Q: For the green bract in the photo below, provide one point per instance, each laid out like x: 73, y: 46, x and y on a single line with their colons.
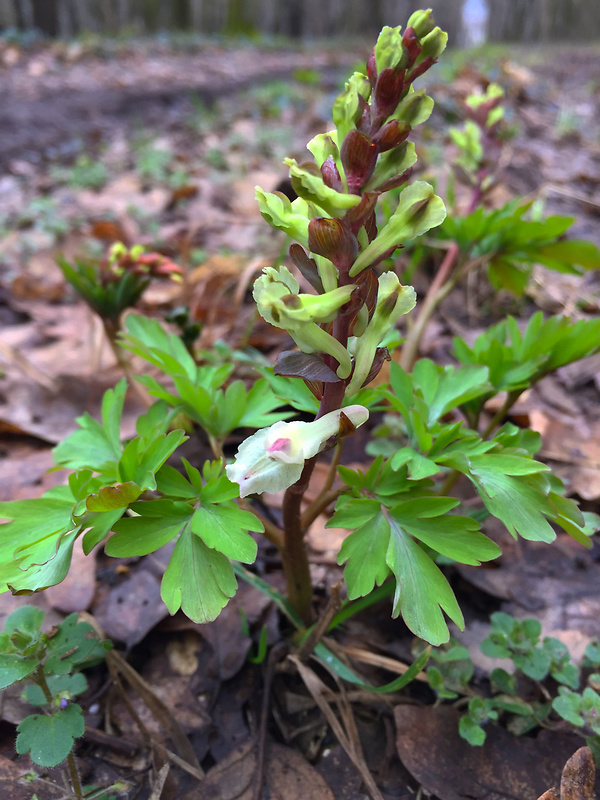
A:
x: 419, y: 209
x: 393, y: 300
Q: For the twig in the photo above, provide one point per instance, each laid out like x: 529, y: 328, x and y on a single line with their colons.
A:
x: 319, y: 504
x: 439, y: 288
x: 331, y: 609
x: 124, y: 364
x: 259, y: 777
x: 346, y: 734
x: 271, y: 532
x: 511, y: 399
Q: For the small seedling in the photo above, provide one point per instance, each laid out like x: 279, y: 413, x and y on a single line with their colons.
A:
x: 50, y: 662
x: 554, y: 684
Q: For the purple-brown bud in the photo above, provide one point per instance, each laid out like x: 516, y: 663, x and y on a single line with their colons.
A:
x: 388, y: 92
x: 359, y: 157
x: 372, y: 68
x: 331, y: 175
x: 360, y: 215
x: 392, y: 134
x: 332, y: 239
x: 411, y: 43
x: 307, y: 266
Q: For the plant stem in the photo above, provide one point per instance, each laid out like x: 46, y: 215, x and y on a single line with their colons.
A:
x: 440, y: 287
x: 293, y: 554
x: 333, y: 606
x: 111, y: 330
x: 511, y: 399
x: 271, y: 531
x: 74, y: 775
x: 39, y: 677
x: 325, y: 496
x: 319, y: 504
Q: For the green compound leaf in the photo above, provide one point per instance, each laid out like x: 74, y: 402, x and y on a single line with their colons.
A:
x: 49, y: 740
x: 422, y: 591
x: 513, y: 489
x: 452, y: 536
x: 110, y: 498
x: 224, y: 527
x: 384, y: 544
x: 198, y: 580
x: 445, y: 388
x: 158, y: 522
x: 365, y: 551
x: 96, y: 445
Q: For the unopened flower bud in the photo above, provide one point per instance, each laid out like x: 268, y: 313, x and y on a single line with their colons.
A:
x: 434, y: 44
x: 308, y: 183
x: 411, y: 43
x: 392, y: 134
x: 331, y: 175
x: 275, y: 293
x: 372, y: 68
x: 389, y: 52
x: 388, y: 92
x: 332, y: 239
x: 359, y: 157
x: 418, y: 210
x: 421, y: 22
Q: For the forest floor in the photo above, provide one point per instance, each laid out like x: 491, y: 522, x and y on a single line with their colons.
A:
x: 146, y: 143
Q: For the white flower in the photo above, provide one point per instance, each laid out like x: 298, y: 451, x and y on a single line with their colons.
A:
x: 273, y: 458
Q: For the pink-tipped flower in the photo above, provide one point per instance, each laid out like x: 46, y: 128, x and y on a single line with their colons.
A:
x: 273, y: 458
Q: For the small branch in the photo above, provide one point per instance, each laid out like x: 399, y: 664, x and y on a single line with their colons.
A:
x: 331, y: 609
x: 440, y: 287
x: 511, y: 399
x: 448, y: 483
x: 74, y: 776
x: 111, y: 332
x: 271, y: 531
x: 319, y: 504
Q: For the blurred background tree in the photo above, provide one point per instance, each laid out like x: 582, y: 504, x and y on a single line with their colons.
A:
x: 502, y: 20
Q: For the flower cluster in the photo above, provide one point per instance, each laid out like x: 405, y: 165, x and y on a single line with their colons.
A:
x: 337, y: 244
x: 338, y: 248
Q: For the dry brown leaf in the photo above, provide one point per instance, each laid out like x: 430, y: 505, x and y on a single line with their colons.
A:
x: 450, y: 768
x: 578, y: 778
x: 288, y: 776
x: 576, y: 450
x: 128, y: 611
x: 14, y: 787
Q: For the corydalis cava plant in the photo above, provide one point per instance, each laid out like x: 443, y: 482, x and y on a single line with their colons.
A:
x: 125, y: 494
x: 340, y: 329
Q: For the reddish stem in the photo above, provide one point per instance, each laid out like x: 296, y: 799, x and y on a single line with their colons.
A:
x: 435, y: 294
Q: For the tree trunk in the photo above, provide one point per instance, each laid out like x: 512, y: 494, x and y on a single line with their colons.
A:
x: 8, y: 14
x: 45, y: 16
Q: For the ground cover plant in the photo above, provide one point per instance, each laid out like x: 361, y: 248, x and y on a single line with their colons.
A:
x: 350, y: 371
